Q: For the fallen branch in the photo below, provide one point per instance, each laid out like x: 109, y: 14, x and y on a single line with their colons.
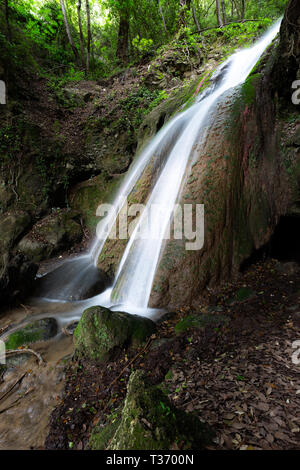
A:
x: 16, y: 401
x: 12, y: 352
x: 131, y: 362
x: 96, y: 421
x: 226, y: 24
x: 13, y: 386
x: 4, y: 329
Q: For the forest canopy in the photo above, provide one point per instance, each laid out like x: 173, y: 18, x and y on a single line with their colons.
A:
x: 100, y: 36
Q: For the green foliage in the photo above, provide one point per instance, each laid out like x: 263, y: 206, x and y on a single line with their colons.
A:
x: 142, y: 44
x: 40, y: 42
x: 138, y: 104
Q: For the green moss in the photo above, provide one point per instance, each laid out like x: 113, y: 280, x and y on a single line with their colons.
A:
x: 101, y: 332
x: 249, y: 88
x: 100, y: 437
x: 200, y: 321
x: 150, y: 422
x: 40, y: 330
x: 243, y: 294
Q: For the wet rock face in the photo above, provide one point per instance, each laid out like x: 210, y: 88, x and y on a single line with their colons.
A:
x: 12, y: 226
x: 287, y: 63
x: 247, y: 175
x: 149, y: 421
x: 16, y: 279
x: 76, y: 279
x: 51, y: 235
x: 101, y: 333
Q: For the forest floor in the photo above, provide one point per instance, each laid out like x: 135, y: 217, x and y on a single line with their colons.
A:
x: 239, y: 372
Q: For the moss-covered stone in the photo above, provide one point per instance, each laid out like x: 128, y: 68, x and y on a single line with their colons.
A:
x: 12, y: 225
x: 244, y: 293
x: 40, y: 330
x: 149, y: 421
x: 51, y: 235
x: 100, y: 333
x: 199, y: 321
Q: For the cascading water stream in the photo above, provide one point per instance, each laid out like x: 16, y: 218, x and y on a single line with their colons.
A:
x: 173, y: 147
x: 133, y: 283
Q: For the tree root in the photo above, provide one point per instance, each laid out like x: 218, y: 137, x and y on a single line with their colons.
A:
x: 12, y: 352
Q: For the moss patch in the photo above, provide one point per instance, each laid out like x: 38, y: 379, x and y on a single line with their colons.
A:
x: 100, y: 333
x: 149, y: 421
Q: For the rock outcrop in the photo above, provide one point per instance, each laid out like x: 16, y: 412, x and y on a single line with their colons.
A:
x: 149, y: 421
x: 101, y: 333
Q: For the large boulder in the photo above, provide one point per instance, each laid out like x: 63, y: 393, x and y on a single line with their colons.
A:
x: 101, y: 333
x: 51, y: 235
x: 12, y: 226
x: 149, y: 421
x: 16, y: 278
x: 40, y: 330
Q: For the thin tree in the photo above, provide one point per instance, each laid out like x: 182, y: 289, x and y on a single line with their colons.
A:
x: 219, y: 18
x: 195, y: 17
x: 8, y: 30
x: 67, y: 26
x: 224, y: 12
x: 123, y: 36
x: 162, y: 16
x: 243, y: 9
x: 185, y: 5
x: 80, y: 32
x: 89, y: 36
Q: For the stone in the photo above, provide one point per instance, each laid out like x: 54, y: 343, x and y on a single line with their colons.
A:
x: 288, y: 268
x: 149, y: 421
x: 40, y: 330
x: 16, y: 279
x: 101, y: 333
x: 12, y: 226
x: 51, y: 235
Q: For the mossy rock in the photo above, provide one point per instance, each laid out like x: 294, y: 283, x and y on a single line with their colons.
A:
x: 100, y: 333
x: 244, y: 293
x: 12, y: 225
x: 51, y: 235
x: 199, y: 322
x: 40, y: 330
x: 149, y: 421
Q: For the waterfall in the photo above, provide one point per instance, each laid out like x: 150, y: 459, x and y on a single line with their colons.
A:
x: 133, y: 283
x: 174, y: 145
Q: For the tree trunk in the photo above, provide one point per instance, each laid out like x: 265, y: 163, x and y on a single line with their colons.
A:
x: 67, y: 26
x: 81, y: 32
x: 122, y: 48
x: 89, y: 36
x: 185, y: 5
x: 8, y: 30
x: 219, y: 18
x: 224, y: 12
x: 195, y: 17
x: 162, y: 16
x: 243, y: 9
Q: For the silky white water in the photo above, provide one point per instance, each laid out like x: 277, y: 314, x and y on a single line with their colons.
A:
x: 173, y: 147
x: 133, y: 283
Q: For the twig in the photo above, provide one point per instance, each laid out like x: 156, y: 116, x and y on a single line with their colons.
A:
x: 226, y: 24
x: 11, y: 352
x: 16, y: 401
x: 131, y: 362
x: 13, y: 386
x: 26, y: 308
x: 5, y: 328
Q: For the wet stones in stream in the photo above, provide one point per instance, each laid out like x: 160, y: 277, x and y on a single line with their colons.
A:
x: 40, y: 330
x: 76, y: 279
